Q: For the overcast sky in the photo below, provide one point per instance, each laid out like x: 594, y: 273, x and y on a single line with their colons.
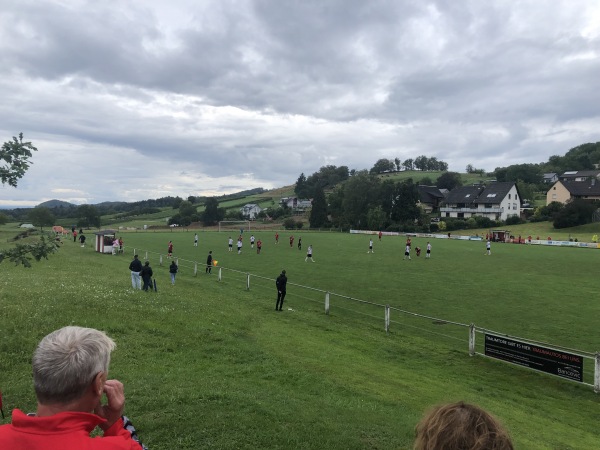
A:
x: 129, y: 100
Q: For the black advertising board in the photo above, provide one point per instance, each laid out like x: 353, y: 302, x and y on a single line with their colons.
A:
x: 555, y: 362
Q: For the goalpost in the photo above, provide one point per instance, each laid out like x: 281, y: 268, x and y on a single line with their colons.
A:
x: 237, y: 225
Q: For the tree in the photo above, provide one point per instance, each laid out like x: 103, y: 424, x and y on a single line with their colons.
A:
x: 41, y: 217
x: 408, y: 164
x: 186, y: 209
x: 302, y: 189
x: 318, y: 213
x: 383, y: 165
x: 398, y: 164
x: 576, y: 212
x: 212, y: 213
x: 24, y: 253
x: 14, y: 157
x: 191, y: 199
x: 88, y: 216
x: 448, y: 180
x: 3, y: 218
x: 421, y: 162
x: 470, y: 168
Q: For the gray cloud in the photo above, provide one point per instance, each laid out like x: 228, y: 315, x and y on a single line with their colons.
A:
x: 208, y: 97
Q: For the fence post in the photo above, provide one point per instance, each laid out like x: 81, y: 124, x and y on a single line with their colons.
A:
x: 597, y: 374
x: 472, y: 340
x: 387, y: 318
x: 177, y: 261
x: 219, y: 278
x: 146, y: 257
x: 327, y: 303
x: 160, y: 261
x: 195, y: 268
x: 248, y: 281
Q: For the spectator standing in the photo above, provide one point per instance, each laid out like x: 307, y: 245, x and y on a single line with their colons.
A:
x: 82, y: 239
x: 281, y: 284
x: 70, y: 377
x: 209, y: 263
x: 173, y: 269
x: 146, y: 274
x: 115, y: 246
x: 136, y: 268
x: 74, y: 235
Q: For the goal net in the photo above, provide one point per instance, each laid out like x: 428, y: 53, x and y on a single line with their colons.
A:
x: 234, y: 225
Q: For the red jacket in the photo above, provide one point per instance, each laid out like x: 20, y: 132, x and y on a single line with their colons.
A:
x: 63, y: 431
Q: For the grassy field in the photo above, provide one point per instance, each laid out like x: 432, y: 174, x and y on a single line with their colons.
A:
x: 210, y: 364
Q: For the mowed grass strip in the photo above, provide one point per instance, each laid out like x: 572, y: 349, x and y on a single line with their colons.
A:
x: 210, y: 364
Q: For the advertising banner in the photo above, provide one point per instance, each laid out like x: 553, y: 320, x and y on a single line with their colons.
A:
x: 555, y: 362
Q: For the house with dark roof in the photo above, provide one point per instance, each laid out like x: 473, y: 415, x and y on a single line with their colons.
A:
x: 579, y: 175
x: 565, y: 191
x: 430, y: 198
x: 550, y: 178
x: 497, y: 200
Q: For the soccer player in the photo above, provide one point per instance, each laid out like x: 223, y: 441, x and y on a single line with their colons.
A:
x: 291, y: 241
x: 428, y: 251
x: 407, y: 251
x: 230, y: 244
x: 370, y: 246
x: 488, y: 248
x: 418, y: 250
x: 252, y: 241
x: 276, y: 238
x: 258, y: 246
x: 309, y: 254
x: 196, y: 240
x: 299, y: 243
x: 239, y: 245
x: 380, y: 234
x: 170, y: 250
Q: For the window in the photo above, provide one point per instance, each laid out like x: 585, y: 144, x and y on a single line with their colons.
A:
x: 514, y: 206
x: 447, y: 214
x: 553, y: 196
x: 509, y: 196
x: 491, y: 195
x: 461, y: 215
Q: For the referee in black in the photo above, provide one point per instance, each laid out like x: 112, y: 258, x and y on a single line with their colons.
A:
x: 281, y: 283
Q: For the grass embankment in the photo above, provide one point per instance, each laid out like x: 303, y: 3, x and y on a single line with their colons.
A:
x: 209, y: 364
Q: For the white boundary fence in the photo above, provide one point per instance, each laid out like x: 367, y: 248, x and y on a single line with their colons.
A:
x: 465, y: 334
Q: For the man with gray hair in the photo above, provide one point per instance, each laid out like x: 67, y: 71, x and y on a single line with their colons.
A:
x: 70, y: 370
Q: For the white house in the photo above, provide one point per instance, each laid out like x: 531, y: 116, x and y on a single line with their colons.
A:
x: 250, y: 211
x: 498, y: 201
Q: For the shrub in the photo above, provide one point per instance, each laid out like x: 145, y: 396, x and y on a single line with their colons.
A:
x: 513, y: 220
x: 289, y: 223
x: 299, y: 225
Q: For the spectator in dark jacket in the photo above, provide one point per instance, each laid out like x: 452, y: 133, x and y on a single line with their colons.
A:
x: 281, y: 283
x: 147, y: 276
x: 209, y: 262
x: 136, y: 268
x: 173, y: 271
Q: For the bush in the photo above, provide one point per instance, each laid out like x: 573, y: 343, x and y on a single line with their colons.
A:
x: 289, y: 223
x: 299, y: 225
x: 513, y: 220
x: 433, y: 227
x: 484, y: 222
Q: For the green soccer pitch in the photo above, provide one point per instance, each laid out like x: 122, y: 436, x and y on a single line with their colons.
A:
x: 209, y: 364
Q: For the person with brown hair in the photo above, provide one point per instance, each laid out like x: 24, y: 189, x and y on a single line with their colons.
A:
x: 460, y: 426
